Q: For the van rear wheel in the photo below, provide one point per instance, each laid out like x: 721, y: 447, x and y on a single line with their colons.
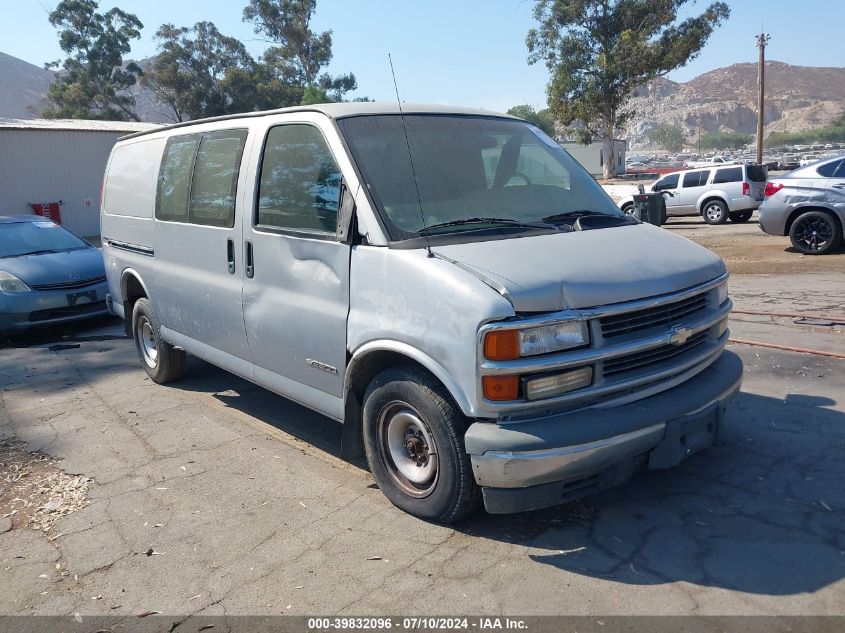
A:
x: 414, y: 441
x: 162, y: 362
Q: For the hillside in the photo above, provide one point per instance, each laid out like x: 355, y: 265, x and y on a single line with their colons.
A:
x: 23, y: 90
x: 725, y: 99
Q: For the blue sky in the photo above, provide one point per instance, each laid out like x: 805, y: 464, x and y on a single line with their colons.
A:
x: 461, y: 52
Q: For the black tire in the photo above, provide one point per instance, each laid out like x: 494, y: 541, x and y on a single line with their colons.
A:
x: 162, y: 362
x: 740, y: 217
x: 402, y: 396
x: 714, y: 212
x: 628, y: 209
x: 815, y: 233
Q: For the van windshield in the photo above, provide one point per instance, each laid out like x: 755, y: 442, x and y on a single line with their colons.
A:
x: 472, y: 174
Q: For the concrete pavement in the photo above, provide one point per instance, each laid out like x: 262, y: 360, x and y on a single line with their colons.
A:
x: 214, y: 496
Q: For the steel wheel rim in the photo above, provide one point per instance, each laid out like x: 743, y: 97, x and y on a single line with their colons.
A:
x: 147, y: 341
x: 408, y: 449
x: 713, y: 212
x: 813, y: 233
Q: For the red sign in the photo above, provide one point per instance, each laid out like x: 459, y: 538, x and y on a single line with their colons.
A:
x: 49, y: 210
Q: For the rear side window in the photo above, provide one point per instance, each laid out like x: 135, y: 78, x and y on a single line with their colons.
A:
x: 174, y: 178
x: 829, y: 169
x: 669, y: 182
x: 215, y: 180
x: 696, y: 178
x: 300, y: 181
x: 729, y: 174
x: 756, y: 173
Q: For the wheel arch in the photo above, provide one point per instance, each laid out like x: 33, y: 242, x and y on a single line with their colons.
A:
x: 365, y: 364
x: 132, y: 288
x: 711, y: 197
x: 795, y: 213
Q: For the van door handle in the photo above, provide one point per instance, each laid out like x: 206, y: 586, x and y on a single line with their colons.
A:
x: 250, y: 267
x: 230, y: 255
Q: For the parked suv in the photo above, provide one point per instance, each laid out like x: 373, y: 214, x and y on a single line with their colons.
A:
x: 808, y: 205
x: 716, y: 194
x: 449, y: 284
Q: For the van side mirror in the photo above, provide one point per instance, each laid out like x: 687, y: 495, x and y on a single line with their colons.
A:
x: 345, y: 213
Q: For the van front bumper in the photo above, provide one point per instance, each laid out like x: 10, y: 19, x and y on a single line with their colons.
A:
x: 547, y: 461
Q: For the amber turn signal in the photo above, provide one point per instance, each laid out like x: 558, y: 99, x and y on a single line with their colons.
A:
x: 501, y: 345
x: 501, y: 387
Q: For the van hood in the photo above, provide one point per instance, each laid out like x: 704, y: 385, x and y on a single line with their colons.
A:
x: 54, y: 268
x: 584, y: 269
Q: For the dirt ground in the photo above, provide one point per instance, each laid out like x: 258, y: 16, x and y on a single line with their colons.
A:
x: 747, y: 250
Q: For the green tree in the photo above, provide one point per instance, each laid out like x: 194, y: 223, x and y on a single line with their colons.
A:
x: 724, y: 140
x: 200, y: 72
x: 599, y: 51
x: 669, y: 137
x: 93, y: 82
x: 299, y: 54
x: 542, y: 119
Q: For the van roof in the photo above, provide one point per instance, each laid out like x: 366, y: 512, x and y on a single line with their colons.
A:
x: 341, y: 110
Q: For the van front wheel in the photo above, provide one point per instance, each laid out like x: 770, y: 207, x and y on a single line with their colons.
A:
x: 162, y: 362
x: 414, y: 441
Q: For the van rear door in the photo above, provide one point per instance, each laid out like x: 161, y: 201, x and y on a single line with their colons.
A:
x: 296, y: 286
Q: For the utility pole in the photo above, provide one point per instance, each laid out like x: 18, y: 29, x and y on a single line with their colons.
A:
x: 762, y: 40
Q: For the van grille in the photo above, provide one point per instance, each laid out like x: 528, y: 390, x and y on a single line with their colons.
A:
x: 653, y: 356
x: 627, y: 322
x: 69, y: 285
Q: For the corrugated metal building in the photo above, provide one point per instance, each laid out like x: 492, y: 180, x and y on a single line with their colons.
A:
x: 46, y: 161
x: 591, y: 156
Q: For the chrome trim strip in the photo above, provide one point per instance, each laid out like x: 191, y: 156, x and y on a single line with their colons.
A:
x: 132, y: 248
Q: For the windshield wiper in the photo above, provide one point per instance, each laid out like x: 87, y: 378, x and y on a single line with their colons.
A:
x: 41, y: 252
x: 574, y: 214
x: 499, y: 221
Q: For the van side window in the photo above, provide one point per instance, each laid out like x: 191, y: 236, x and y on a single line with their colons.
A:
x: 300, y: 181
x: 215, y: 180
x: 174, y: 178
x: 728, y: 174
x: 695, y: 178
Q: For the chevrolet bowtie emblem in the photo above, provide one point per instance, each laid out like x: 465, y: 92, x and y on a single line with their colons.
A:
x: 679, y: 335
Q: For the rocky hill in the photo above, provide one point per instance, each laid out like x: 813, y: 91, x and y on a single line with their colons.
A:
x: 22, y: 88
x: 797, y: 98
x: 23, y: 91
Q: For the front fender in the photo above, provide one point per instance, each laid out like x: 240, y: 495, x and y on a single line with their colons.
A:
x: 412, y: 353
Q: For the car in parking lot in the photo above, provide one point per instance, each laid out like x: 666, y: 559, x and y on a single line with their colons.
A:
x: 48, y: 275
x: 808, y: 205
x: 717, y: 194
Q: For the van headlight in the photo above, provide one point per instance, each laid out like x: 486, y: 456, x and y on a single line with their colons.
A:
x: 10, y: 283
x: 516, y: 343
x: 722, y: 292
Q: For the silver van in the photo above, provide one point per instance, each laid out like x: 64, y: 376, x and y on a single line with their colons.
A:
x: 716, y: 193
x: 449, y: 284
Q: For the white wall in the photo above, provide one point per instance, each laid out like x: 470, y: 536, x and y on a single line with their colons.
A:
x: 52, y: 165
x: 590, y: 156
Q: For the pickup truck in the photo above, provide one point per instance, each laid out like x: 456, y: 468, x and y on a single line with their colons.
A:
x: 708, y: 162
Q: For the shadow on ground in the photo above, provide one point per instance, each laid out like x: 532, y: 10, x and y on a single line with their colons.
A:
x: 760, y: 513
